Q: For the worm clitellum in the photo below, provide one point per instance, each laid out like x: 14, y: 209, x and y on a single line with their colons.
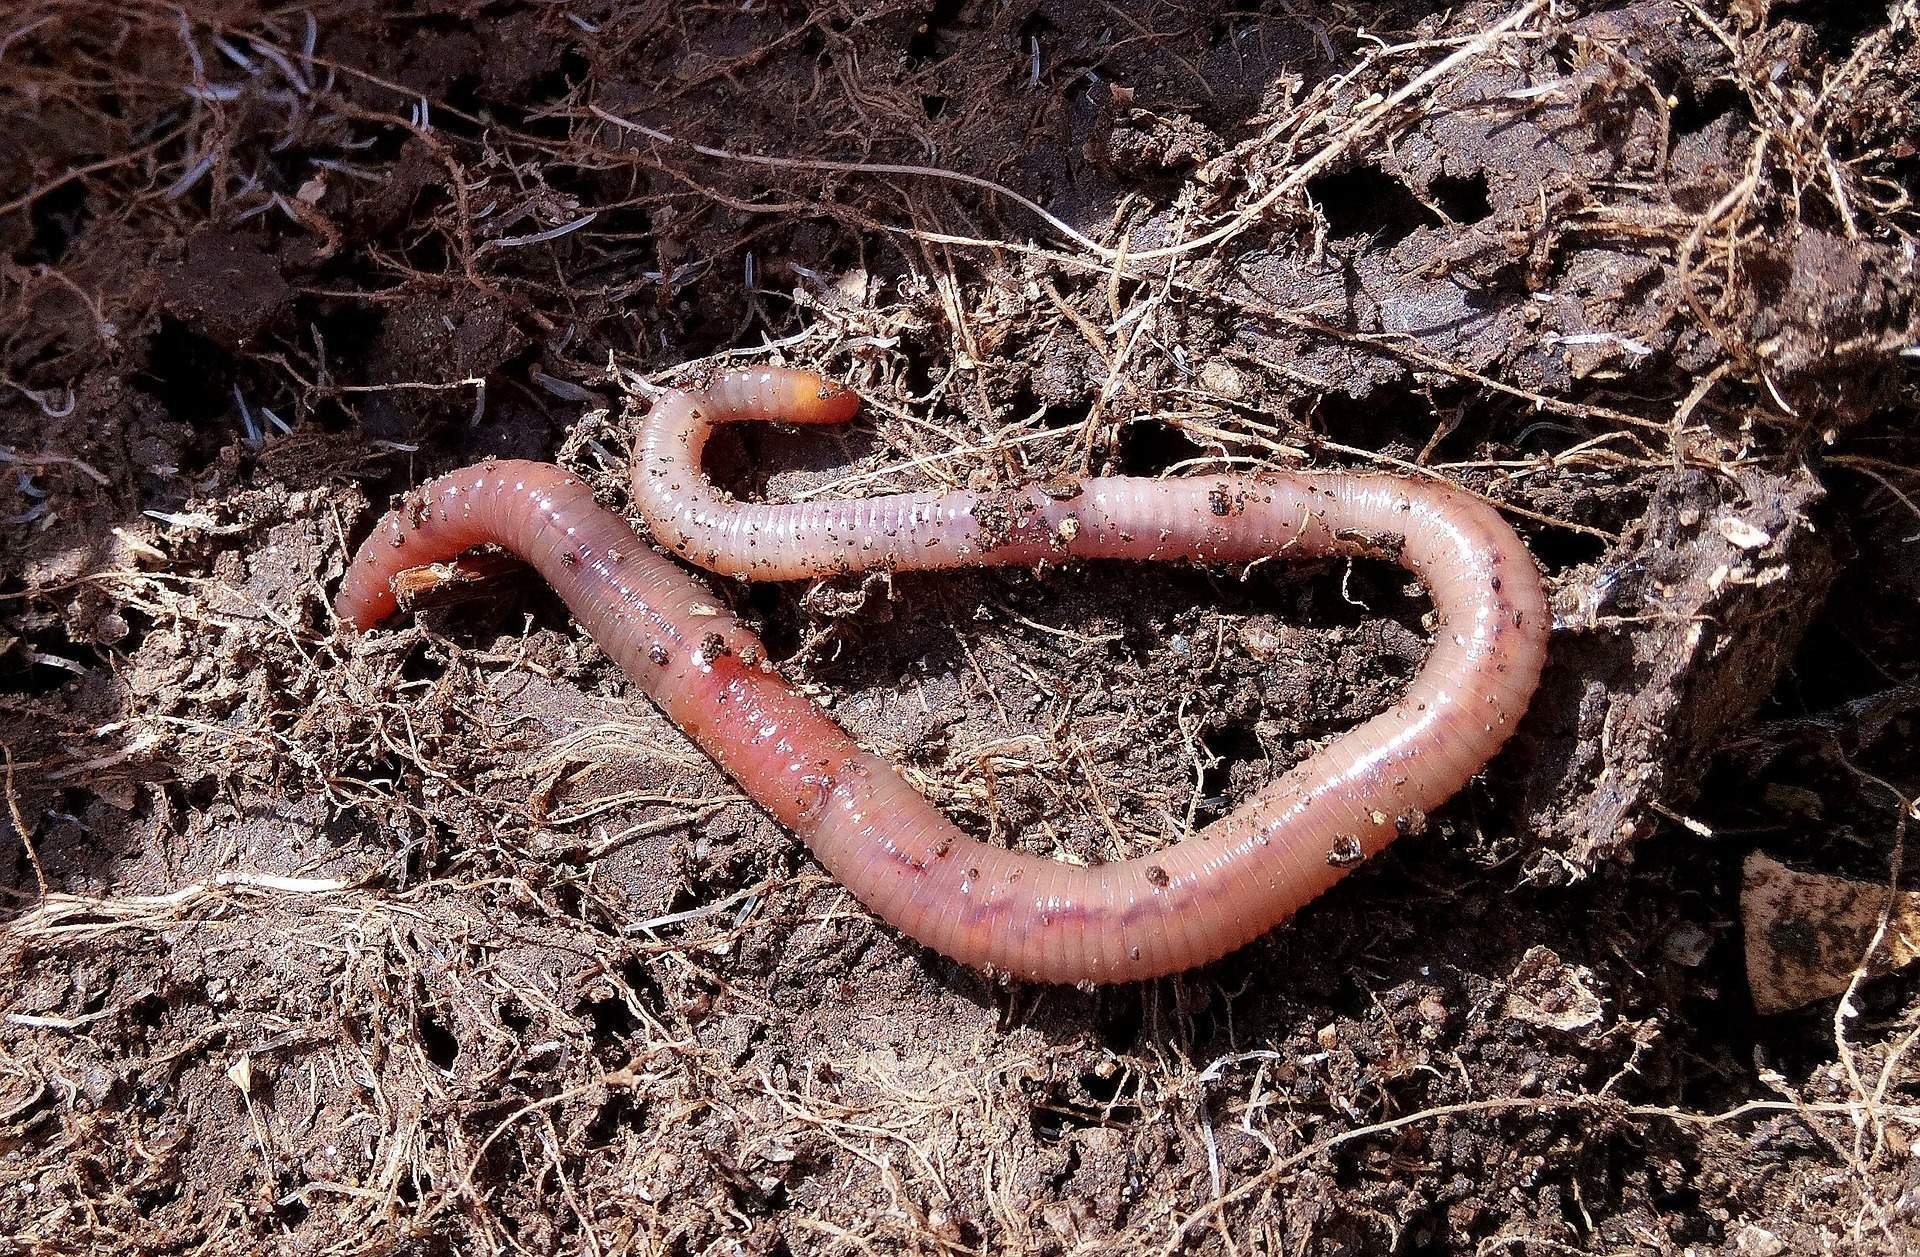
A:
x: 987, y: 906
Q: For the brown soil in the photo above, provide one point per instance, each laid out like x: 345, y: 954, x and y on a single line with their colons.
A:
x: 438, y: 941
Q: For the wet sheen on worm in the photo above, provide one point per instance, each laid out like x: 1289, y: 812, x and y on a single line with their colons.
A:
x: 984, y: 905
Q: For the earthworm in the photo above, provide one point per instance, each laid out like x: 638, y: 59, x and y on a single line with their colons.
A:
x: 986, y: 906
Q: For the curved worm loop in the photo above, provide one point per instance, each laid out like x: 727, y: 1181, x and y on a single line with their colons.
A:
x: 984, y: 905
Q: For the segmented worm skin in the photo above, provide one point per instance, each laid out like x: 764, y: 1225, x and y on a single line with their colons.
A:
x: 990, y: 907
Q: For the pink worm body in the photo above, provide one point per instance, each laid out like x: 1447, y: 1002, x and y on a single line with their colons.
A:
x: 1034, y: 917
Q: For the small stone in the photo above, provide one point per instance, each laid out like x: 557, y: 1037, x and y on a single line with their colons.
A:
x: 1223, y: 379
x: 1807, y: 933
x: 1756, y: 1241
x: 1261, y: 637
x: 1346, y: 852
x: 1741, y: 533
x: 1687, y: 945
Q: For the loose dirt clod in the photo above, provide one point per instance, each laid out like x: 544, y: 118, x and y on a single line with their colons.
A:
x: 1544, y: 990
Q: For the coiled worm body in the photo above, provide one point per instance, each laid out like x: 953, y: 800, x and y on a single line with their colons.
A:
x: 987, y: 906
